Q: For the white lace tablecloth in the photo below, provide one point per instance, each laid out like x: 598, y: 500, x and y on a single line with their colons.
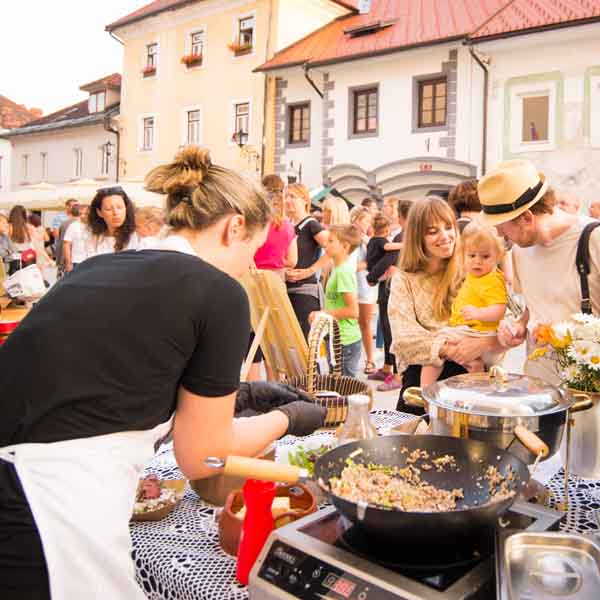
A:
x: 179, y: 558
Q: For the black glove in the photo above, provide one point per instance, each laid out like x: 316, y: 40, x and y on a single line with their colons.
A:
x: 304, y: 417
x: 260, y: 397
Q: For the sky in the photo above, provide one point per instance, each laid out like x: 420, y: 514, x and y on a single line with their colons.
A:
x: 49, y: 48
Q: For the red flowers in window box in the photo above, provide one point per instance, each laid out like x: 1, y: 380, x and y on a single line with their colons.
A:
x: 191, y: 60
x: 149, y: 71
x: 240, y: 49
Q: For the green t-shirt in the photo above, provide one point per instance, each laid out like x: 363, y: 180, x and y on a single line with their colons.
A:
x: 343, y: 281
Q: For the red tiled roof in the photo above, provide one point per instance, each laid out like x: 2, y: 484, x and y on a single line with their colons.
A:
x: 13, y: 115
x: 415, y: 22
x: 159, y: 6
x: 521, y: 15
x: 112, y: 81
x: 75, y: 111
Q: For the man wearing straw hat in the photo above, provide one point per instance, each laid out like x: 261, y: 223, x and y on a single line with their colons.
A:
x: 517, y: 200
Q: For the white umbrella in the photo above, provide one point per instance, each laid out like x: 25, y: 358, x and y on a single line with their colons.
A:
x: 134, y: 188
x: 34, y: 197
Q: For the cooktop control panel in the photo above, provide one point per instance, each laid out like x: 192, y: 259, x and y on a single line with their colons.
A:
x: 310, y: 578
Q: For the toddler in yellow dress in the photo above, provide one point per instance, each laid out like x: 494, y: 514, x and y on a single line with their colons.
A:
x: 481, y: 301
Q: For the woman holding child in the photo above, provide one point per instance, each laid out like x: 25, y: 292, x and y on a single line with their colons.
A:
x: 422, y: 298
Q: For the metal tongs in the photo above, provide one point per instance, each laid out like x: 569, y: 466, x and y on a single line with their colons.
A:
x: 517, y: 306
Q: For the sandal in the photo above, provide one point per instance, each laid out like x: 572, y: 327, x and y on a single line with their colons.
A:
x: 369, y: 368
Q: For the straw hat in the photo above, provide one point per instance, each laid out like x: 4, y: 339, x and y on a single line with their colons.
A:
x: 509, y: 190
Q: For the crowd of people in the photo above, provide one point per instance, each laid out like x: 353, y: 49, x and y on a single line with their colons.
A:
x: 155, y: 338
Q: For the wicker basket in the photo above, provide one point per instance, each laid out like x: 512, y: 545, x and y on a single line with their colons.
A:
x: 313, y: 382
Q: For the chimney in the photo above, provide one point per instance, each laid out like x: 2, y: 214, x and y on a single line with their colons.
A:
x: 364, y: 7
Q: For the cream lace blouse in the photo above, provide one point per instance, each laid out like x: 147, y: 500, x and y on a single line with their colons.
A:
x: 415, y: 340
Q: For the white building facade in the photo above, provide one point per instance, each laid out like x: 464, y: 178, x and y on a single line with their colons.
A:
x: 544, y: 105
x: 434, y: 115
x: 77, y: 142
x: 394, y: 153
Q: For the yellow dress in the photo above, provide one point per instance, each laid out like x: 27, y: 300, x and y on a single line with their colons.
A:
x: 480, y: 292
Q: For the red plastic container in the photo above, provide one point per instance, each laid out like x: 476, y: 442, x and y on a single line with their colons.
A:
x: 6, y: 328
x: 258, y: 524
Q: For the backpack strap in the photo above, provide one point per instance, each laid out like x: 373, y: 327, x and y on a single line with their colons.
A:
x: 582, y: 260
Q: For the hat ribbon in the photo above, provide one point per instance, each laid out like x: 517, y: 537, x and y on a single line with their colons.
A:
x: 527, y: 196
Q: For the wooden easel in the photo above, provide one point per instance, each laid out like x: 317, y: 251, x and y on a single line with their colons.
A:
x: 275, y: 325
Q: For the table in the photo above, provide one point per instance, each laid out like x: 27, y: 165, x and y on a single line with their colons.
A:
x: 179, y: 558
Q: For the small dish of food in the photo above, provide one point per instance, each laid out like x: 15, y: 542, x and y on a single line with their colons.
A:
x: 156, y: 498
x: 305, y: 452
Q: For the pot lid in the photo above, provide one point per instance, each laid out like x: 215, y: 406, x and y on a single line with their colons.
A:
x: 506, y: 395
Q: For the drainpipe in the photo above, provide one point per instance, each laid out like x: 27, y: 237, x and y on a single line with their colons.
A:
x: 312, y: 83
x: 263, y: 144
x: 486, y: 86
x: 112, y: 35
x: 107, y: 126
x: 110, y: 129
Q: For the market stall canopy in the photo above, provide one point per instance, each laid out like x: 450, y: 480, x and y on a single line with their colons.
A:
x: 33, y: 197
x: 46, y: 196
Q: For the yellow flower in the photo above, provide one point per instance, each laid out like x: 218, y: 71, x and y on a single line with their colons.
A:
x: 538, y: 353
x: 560, y: 343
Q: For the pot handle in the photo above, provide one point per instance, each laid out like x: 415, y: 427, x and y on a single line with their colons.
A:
x: 266, y: 470
x: 413, y: 396
x: 584, y: 402
x: 531, y: 441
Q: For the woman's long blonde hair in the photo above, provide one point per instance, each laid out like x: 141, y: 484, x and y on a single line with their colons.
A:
x: 200, y: 193
x: 422, y: 215
x: 340, y: 215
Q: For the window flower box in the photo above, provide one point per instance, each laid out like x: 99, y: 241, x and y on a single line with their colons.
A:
x: 191, y: 60
x: 240, y: 49
x: 149, y: 71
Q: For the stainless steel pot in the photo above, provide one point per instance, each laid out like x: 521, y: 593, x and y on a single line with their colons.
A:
x: 489, y: 406
x: 583, y: 453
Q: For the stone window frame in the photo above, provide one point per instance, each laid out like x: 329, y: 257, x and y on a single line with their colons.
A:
x: 156, y: 59
x: 141, y: 119
x: 351, y: 103
x: 185, y: 112
x: 288, y: 123
x: 416, y: 108
x: 515, y: 89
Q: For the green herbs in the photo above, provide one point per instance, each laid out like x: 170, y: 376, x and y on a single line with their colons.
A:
x: 306, y: 457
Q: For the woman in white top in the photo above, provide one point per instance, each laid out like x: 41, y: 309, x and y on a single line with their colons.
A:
x: 40, y: 236
x: 22, y: 236
x: 111, y: 223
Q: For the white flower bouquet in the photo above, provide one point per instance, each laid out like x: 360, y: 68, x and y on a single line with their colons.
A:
x: 575, y: 345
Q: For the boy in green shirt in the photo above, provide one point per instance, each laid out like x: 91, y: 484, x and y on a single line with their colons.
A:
x: 341, y: 293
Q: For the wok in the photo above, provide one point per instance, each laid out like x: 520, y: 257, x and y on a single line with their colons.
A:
x: 474, y: 513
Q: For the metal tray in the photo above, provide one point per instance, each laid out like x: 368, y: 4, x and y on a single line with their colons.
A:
x: 547, y: 565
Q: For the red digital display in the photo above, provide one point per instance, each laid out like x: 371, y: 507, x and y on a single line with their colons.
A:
x: 343, y: 587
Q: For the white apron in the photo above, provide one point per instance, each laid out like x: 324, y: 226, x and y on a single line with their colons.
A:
x: 81, y: 494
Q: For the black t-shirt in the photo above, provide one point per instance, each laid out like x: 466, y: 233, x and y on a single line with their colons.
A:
x: 308, y: 247
x: 379, y: 260
x: 105, y: 350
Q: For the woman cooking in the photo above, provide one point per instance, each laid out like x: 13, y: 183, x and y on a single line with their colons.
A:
x: 421, y: 297
x: 128, y: 345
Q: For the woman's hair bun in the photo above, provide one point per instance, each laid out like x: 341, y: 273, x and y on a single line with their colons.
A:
x: 189, y: 167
